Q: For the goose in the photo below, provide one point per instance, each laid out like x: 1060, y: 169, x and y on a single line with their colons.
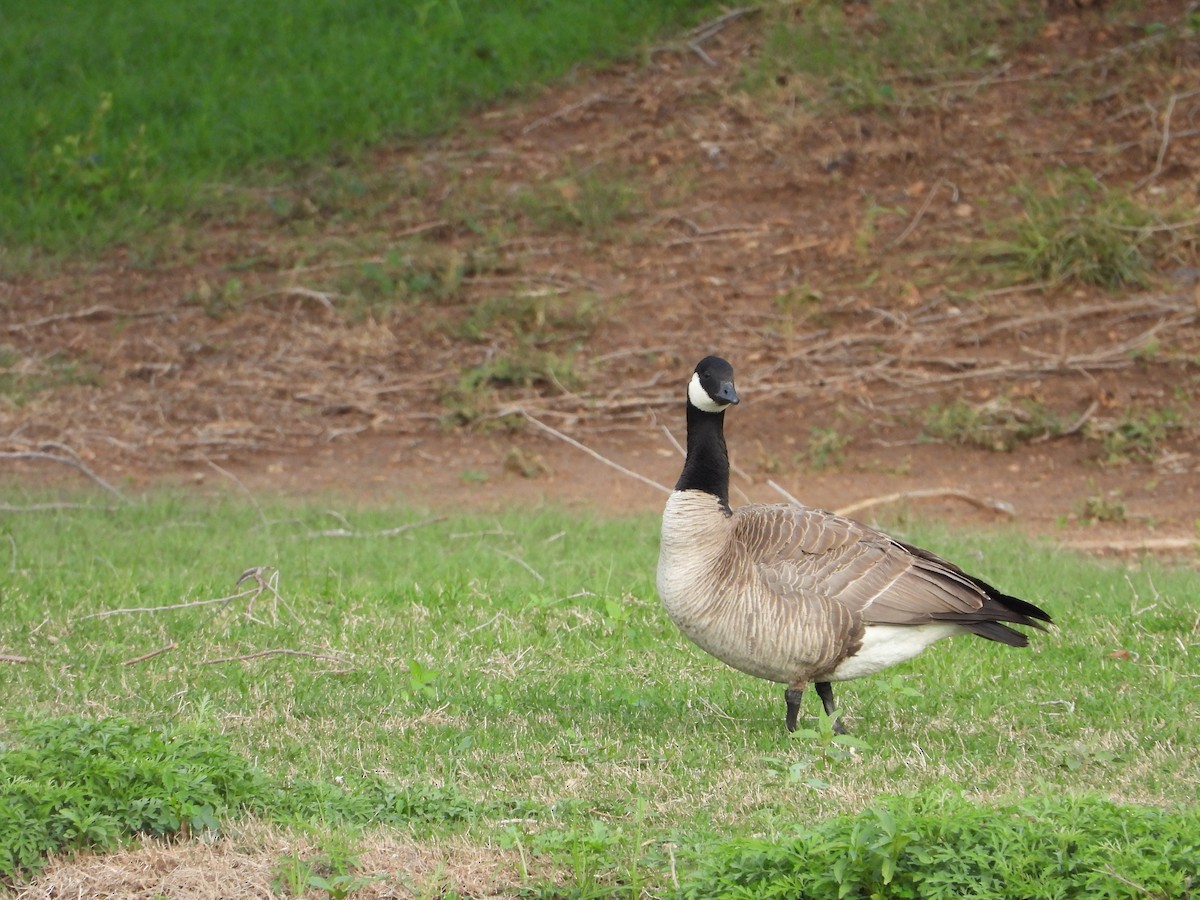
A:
x: 797, y: 595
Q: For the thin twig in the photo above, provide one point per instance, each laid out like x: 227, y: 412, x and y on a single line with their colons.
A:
x: 245, y: 490
x: 278, y: 651
x: 1135, y: 545
x: 1166, y: 138
x: 590, y: 452
x: 386, y: 532
x: 591, y: 100
x: 44, y: 507
x: 321, y: 297
x: 912, y: 226
x: 71, y: 461
x: 520, y: 562
x: 153, y: 653
x: 997, y: 506
x: 250, y: 592
x: 92, y: 312
x: 10, y: 658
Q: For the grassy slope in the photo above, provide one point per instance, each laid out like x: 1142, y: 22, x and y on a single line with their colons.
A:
x: 525, y: 662
x: 200, y: 92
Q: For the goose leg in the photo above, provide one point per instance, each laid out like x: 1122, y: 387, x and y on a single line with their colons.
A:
x: 792, y: 695
x: 825, y: 692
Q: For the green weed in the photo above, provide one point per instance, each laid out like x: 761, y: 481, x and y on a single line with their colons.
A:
x: 999, y: 424
x: 593, y: 203
x: 826, y: 448
x: 1074, y: 230
x: 1137, y: 435
x: 1102, y: 508
x: 23, y: 377
x: 933, y: 847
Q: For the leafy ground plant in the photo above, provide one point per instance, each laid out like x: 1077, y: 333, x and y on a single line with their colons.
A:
x: 999, y: 424
x: 1074, y: 230
x: 952, y: 847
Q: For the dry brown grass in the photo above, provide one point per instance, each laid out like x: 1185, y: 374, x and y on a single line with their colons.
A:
x: 244, y: 866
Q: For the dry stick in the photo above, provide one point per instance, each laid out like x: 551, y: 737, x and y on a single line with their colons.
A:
x: 998, y: 506
x: 66, y: 461
x: 912, y: 226
x: 250, y: 592
x: 591, y: 100
x: 92, y: 312
x: 1135, y: 545
x: 321, y: 297
x: 1166, y: 138
x: 44, y: 507
x: 153, y: 653
x: 245, y: 490
x: 520, y: 562
x: 278, y: 651
x: 10, y: 658
x: 986, y: 503
x: 590, y: 452
x: 386, y: 532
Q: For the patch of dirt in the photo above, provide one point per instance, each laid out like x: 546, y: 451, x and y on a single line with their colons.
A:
x: 570, y: 257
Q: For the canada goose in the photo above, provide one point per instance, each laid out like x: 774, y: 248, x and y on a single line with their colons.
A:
x: 797, y: 595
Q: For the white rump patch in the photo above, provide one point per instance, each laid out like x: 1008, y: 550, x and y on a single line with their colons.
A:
x: 699, y: 396
x: 886, y: 645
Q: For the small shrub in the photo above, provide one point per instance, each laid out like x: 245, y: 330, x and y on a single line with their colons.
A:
x: 72, y: 783
x: 1074, y: 230
x: 999, y: 424
x: 1136, y: 435
x: 826, y: 448
x: 910, y: 848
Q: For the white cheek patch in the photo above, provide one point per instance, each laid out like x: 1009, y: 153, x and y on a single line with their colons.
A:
x: 699, y: 396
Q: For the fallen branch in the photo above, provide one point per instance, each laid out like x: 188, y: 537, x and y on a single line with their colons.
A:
x: 256, y: 573
x: 997, y: 506
x: 173, y: 606
x: 386, y: 532
x: 591, y: 100
x: 1165, y: 143
x: 590, y: 452
x: 1135, y: 545
x: 321, y: 297
x: 912, y: 226
x: 153, y: 653
x: 92, y: 312
x: 72, y: 461
x: 10, y: 658
x: 988, y: 503
x: 278, y: 651
x: 520, y: 562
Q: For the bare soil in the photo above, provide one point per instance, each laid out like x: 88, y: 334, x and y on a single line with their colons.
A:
x: 828, y: 256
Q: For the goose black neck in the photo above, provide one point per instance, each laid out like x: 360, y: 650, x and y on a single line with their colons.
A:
x: 707, y: 465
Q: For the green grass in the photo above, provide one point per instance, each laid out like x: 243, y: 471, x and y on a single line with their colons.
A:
x: 117, y: 113
x: 1074, y: 230
x: 878, y: 54
x: 512, y: 681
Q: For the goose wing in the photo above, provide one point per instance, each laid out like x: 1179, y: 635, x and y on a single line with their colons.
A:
x: 811, y: 555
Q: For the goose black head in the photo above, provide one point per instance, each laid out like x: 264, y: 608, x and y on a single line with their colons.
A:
x: 711, y: 388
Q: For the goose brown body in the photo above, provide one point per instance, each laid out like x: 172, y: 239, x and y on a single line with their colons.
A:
x: 796, y: 595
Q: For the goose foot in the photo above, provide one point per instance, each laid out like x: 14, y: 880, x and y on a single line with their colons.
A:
x: 825, y: 692
x: 792, y: 696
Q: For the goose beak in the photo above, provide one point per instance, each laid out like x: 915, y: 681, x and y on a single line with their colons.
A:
x: 727, y: 393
